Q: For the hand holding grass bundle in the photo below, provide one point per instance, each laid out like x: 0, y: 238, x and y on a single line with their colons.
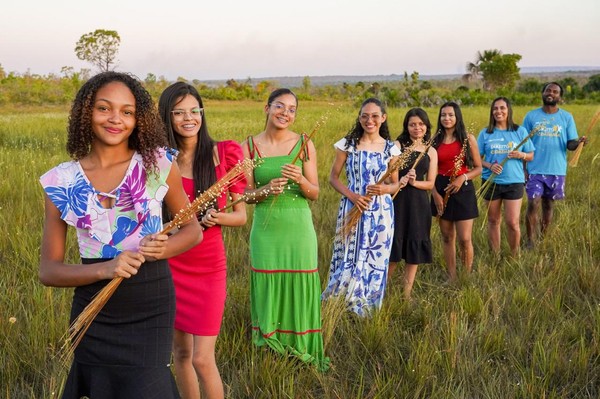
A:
x: 353, y: 216
x: 458, y: 164
x: 82, y: 322
x: 301, y: 151
x: 419, y: 157
x: 484, y: 187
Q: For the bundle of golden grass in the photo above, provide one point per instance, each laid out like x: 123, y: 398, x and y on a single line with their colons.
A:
x: 577, y: 153
x: 242, y: 198
x: 411, y: 149
x: 82, y: 322
x: 485, y: 186
x: 459, y: 161
x: 397, y: 163
x: 302, y: 150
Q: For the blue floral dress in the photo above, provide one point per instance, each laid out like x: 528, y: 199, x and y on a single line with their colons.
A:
x: 360, y: 260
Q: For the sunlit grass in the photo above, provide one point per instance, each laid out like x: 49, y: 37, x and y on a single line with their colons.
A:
x: 514, y: 328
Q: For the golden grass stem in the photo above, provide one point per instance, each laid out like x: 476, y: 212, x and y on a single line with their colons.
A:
x: 82, y: 322
x: 576, y: 154
x: 351, y: 219
x: 412, y: 148
x: 309, y: 137
x: 575, y: 158
x: 489, y: 181
x: 458, y: 164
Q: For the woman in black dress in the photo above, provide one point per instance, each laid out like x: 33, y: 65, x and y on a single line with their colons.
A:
x: 411, y: 205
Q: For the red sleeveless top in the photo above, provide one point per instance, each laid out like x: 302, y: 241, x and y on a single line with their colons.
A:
x: 447, y: 154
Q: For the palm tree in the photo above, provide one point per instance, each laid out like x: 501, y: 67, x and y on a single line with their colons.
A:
x: 473, y: 68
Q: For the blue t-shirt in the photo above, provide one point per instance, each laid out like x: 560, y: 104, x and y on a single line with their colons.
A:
x: 495, y: 146
x: 550, y: 141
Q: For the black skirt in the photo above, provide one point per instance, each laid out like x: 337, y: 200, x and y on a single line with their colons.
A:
x: 461, y: 205
x: 126, y: 352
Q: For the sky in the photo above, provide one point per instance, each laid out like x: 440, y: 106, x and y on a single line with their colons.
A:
x: 219, y: 39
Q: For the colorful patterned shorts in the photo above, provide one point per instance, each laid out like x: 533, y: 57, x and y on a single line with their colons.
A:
x: 545, y: 186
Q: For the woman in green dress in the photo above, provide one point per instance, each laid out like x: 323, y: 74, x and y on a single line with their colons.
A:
x: 284, y: 280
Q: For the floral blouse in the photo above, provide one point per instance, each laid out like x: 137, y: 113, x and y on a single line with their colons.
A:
x: 137, y: 211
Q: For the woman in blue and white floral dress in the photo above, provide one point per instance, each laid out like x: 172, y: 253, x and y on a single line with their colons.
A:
x: 360, y: 259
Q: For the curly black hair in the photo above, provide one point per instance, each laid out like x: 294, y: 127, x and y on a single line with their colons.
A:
x: 148, y: 134
x: 355, y: 134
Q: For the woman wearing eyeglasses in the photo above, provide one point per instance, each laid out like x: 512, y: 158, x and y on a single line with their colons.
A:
x: 284, y: 278
x: 200, y: 273
x: 359, y: 264
x: 412, y: 212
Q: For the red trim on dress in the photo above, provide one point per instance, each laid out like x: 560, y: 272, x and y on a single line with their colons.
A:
x: 269, y: 335
x: 283, y: 271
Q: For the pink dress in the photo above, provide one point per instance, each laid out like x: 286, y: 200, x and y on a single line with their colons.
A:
x: 200, y: 274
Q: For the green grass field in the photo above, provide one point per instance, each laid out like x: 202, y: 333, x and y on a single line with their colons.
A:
x: 515, y: 328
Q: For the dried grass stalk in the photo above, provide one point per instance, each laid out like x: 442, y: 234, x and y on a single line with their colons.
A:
x: 576, y: 154
x: 351, y: 219
x: 484, y: 187
x: 82, y: 322
x: 459, y: 161
x: 575, y: 158
x: 421, y: 155
x: 309, y: 137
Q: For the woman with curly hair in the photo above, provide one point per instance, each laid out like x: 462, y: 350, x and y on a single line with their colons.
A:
x: 359, y: 264
x: 112, y: 193
x: 200, y: 274
x: 453, y: 199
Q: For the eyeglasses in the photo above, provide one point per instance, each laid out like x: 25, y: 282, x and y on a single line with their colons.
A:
x: 365, y: 117
x: 280, y: 109
x: 179, y: 114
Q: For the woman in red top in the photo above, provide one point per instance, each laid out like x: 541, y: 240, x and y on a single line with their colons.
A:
x: 200, y: 273
x: 454, y: 201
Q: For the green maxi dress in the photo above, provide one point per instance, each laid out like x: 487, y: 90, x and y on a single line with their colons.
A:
x: 284, y: 280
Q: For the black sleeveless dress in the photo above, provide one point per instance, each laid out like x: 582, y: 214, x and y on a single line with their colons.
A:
x: 412, y: 216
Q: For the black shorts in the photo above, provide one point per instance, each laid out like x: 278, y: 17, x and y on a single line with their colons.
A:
x: 513, y: 191
x: 460, y: 206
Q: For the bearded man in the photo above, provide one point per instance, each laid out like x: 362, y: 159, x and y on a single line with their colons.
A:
x: 555, y: 133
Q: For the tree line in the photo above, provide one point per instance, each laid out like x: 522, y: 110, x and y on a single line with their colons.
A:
x: 18, y: 89
x: 491, y: 74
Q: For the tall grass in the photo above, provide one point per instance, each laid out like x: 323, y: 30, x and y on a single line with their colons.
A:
x: 515, y: 328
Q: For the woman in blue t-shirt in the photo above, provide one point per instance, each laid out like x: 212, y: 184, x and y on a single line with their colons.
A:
x: 496, y: 143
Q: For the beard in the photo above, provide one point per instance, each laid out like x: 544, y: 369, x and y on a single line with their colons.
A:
x: 547, y: 101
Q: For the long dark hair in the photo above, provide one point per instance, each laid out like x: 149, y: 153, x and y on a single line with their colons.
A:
x: 203, y: 166
x: 404, y: 137
x: 355, y: 134
x: 510, y: 124
x: 460, y: 131
x: 148, y: 134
